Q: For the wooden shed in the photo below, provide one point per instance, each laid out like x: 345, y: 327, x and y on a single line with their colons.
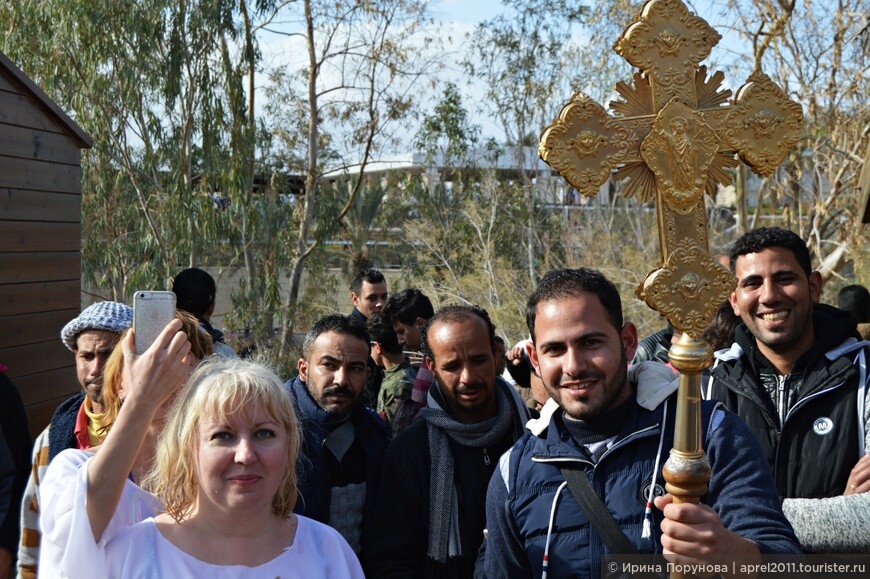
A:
x: 40, y: 241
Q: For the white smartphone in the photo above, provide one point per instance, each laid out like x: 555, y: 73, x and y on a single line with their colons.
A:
x: 152, y: 311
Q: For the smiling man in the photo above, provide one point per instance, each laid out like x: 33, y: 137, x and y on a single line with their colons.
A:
x: 343, y: 442
x: 430, y: 515
x: 613, y: 427
x: 797, y: 375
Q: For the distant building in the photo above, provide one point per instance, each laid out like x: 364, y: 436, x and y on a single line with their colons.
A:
x: 552, y: 189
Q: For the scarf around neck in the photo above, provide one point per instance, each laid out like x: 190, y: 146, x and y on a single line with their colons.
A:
x: 444, y: 539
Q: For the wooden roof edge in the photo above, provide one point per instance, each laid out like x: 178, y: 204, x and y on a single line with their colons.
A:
x: 85, y: 141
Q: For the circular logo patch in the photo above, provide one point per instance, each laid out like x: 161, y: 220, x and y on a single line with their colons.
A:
x: 823, y: 426
x: 658, y: 491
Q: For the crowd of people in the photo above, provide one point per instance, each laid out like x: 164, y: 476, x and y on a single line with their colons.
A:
x: 415, y: 443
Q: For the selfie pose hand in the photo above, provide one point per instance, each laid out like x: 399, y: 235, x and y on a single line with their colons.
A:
x: 149, y: 380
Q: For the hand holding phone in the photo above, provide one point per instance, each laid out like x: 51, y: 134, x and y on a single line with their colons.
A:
x: 152, y: 311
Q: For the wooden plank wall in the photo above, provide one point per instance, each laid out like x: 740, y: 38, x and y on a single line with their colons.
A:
x: 40, y: 243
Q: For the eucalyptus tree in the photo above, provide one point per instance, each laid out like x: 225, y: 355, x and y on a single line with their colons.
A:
x: 188, y: 168
x: 352, y: 95
x: 814, y: 50
x: 520, y: 57
x: 158, y: 84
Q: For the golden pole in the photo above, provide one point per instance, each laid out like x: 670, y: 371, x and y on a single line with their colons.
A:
x: 687, y: 471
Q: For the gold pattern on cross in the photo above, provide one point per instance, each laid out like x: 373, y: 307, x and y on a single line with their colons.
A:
x: 673, y: 137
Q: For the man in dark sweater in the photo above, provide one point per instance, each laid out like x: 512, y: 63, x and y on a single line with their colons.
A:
x: 429, y: 517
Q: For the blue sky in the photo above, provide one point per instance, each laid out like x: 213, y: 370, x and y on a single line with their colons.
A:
x: 467, y: 11
x: 458, y: 18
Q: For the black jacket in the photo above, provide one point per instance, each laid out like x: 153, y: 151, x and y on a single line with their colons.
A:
x: 16, y: 464
x: 807, y: 422
x: 376, y: 373
x: 654, y: 347
x: 401, y: 525
x: 311, y: 472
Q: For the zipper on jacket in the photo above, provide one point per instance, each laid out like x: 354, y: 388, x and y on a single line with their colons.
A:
x: 636, y: 434
x: 780, y: 391
x: 803, y: 401
x: 486, y: 460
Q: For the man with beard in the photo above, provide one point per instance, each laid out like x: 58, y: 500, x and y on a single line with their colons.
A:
x: 429, y: 517
x: 614, y: 426
x: 91, y: 337
x: 343, y: 441
x: 797, y: 375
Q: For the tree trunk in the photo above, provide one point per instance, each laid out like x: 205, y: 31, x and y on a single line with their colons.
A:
x: 302, y: 248
x: 740, y: 193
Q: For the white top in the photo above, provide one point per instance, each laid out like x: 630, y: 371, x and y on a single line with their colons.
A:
x: 318, y: 552
x: 68, y: 548
x: 131, y: 545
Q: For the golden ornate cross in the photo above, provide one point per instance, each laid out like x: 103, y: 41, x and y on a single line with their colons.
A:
x: 673, y: 138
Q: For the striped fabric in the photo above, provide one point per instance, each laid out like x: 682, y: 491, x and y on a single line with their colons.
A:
x: 28, y: 550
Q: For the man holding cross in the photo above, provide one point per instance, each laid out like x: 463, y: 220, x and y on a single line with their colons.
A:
x: 613, y: 427
x: 673, y: 140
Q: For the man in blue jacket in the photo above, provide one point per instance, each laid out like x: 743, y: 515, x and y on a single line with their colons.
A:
x: 343, y: 441
x: 616, y: 425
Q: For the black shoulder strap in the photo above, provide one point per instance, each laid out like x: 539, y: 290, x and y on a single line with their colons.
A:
x: 600, y: 518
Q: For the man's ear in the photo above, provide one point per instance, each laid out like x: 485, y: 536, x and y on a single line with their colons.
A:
x: 430, y: 363
x: 302, y: 366
x: 419, y: 323
x: 532, y: 353
x: 735, y: 307
x: 354, y: 299
x: 816, y: 284
x: 629, y: 339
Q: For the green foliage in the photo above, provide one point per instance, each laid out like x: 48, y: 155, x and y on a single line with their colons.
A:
x: 182, y: 173
x: 520, y: 55
x: 195, y: 164
x: 468, y: 242
x: 446, y: 134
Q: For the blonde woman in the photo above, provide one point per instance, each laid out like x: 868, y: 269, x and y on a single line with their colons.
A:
x: 224, y: 472
x: 87, y: 497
